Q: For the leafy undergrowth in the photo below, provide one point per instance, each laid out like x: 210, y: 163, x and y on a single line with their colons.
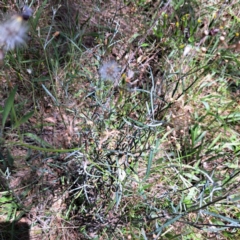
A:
x: 120, y: 120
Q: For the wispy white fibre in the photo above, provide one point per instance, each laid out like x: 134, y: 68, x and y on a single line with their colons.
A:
x: 109, y: 71
x: 13, y: 33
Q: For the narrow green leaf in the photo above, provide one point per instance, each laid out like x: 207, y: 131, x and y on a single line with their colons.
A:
x: 151, y: 156
x: 215, y: 141
x: 200, y: 137
x: 10, y: 159
x: 234, y: 222
x: 169, y: 222
x: 8, y: 105
x: 191, y: 176
x: 23, y: 119
x: 38, y: 14
x: 206, y: 105
x: 38, y: 140
x: 234, y: 198
x: 149, y: 163
x: 50, y: 94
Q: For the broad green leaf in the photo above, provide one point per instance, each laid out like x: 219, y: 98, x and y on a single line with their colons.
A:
x: 5, y: 199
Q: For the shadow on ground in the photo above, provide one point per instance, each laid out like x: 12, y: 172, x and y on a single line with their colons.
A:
x: 14, y: 231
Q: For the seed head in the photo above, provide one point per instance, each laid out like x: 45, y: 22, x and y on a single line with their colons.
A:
x: 109, y: 71
x: 13, y: 33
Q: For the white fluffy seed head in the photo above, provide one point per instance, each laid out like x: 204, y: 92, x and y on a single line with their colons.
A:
x: 109, y: 71
x: 13, y: 33
x: 222, y: 38
x: 187, y: 50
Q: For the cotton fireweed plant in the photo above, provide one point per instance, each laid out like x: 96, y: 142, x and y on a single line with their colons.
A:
x: 13, y: 32
x: 109, y: 71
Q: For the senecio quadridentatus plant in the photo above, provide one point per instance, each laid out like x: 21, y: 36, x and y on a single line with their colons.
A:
x: 14, y: 31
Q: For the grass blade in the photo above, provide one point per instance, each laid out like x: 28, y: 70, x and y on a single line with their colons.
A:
x: 8, y: 105
x: 23, y: 119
